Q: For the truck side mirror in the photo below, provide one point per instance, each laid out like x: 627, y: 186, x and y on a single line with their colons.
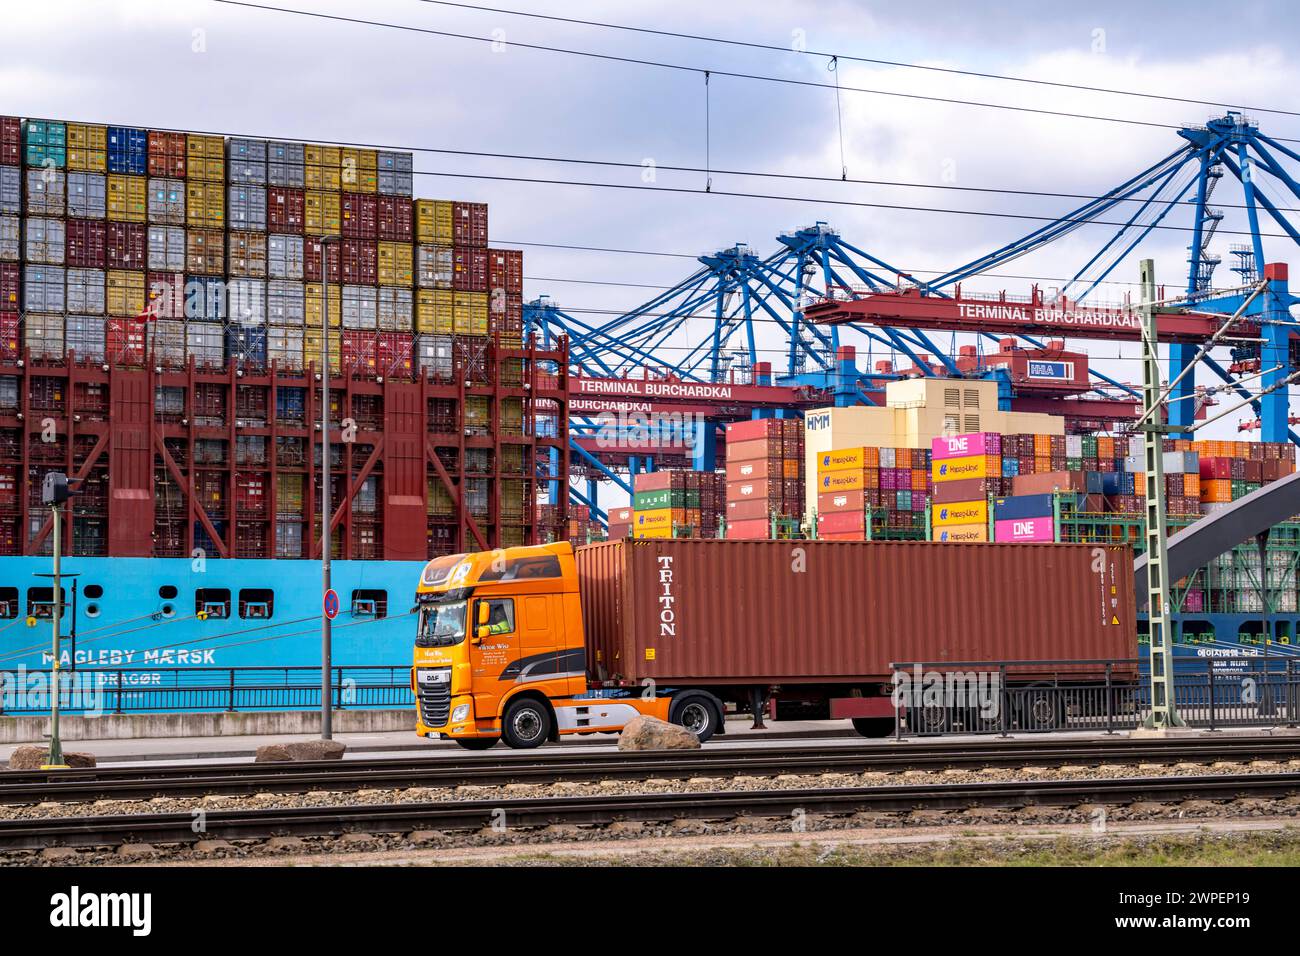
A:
x: 480, y: 633
x: 483, y: 612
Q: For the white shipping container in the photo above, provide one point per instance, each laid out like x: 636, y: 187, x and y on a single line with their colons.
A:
x: 246, y: 301
x: 434, y: 267
x: 288, y: 539
x: 433, y: 354
x: 166, y: 249
x: 87, y: 195
x: 396, y: 184
x: 360, y: 307
x: 86, y: 292
x: 1073, y: 446
x: 9, y: 238
x: 167, y: 202
x: 84, y: 335
x: 47, y: 192
x: 11, y: 191
x: 284, y: 257
x: 246, y: 208
x: 285, y: 303
x: 46, y: 239
x: 167, y: 341
x: 43, y: 289
x: 43, y: 335
x: 285, y: 347
x: 246, y: 161
x: 205, y: 344
x: 395, y: 309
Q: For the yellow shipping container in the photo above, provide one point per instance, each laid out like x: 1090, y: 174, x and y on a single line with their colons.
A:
x: 967, y: 466
x: 322, y: 167
x: 657, y: 523
x: 125, y: 293
x: 322, y: 213
x: 87, y: 148
x: 841, y: 480
x: 128, y: 198
x: 359, y: 170
x: 311, y: 345
x: 433, y: 222
x: 958, y: 513
x: 478, y: 313
x: 312, y: 305
x: 961, y: 533
x: 397, y: 264
x: 434, y: 311
x: 205, y: 205
x: 845, y: 458
x: 205, y: 158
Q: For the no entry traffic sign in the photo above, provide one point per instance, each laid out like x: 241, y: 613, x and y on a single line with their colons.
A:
x: 331, y: 604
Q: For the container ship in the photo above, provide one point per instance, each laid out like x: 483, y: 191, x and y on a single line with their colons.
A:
x: 162, y: 341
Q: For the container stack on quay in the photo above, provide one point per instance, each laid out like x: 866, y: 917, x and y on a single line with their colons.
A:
x: 765, y: 478
x: 676, y: 504
x: 872, y: 493
x: 132, y: 249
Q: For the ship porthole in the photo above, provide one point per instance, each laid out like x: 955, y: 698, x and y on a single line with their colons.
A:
x: 169, y: 610
x: 92, y: 610
x: 167, y: 592
x: 94, y: 591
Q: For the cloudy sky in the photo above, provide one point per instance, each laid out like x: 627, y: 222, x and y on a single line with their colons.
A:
x: 202, y: 64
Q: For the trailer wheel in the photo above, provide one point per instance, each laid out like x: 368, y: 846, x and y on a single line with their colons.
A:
x: 1041, y: 709
x: 874, y: 726
x: 695, y: 711
x: 477, y: 743
x: 934, y: 719
x: 526, y: 724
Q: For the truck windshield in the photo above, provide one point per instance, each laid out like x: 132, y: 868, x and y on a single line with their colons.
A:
x: 441, y: 625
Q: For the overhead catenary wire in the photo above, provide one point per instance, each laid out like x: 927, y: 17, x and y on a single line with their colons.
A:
x: 659, y: 64
x: 931, y: 68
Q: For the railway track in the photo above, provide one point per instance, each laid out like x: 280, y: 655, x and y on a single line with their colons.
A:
x: 461, y: 816
x: 551, y: 766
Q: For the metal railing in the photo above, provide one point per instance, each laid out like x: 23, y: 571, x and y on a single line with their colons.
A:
x: 936, y: 698
x: 103, y: 691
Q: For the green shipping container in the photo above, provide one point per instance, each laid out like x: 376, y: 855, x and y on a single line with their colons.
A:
x: 666, y: 498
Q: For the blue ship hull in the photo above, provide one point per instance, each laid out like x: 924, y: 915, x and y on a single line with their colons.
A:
x: 145, y: 612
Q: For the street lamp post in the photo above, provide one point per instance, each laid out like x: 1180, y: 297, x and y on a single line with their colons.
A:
x: 54, y: 492
x: 326, y: 684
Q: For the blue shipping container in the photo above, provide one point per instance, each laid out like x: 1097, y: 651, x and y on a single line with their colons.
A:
x: 290, y: 404
x: 128, y: 150
x: 1092, y: 483
x: 246, y: 344
x: 1010, y: 467
x: 1117, y: 482
x: 1022, y: 506
x: 205, y: 298
x: 46, y: 142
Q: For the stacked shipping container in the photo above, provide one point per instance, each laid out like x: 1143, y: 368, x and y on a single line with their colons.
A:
x: 676, y: 504
x: 765, y: 481
x: 199, y: 258
x: 872, y: 493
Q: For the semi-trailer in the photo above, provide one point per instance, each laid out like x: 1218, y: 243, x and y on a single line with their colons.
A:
x: 531, y: 644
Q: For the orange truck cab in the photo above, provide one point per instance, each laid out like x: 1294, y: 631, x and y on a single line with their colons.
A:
x: 500, y: 654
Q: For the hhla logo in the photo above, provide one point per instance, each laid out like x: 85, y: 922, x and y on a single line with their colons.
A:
x: 76, y: 909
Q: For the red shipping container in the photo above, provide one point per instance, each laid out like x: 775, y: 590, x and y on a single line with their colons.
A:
x: 829, y: 501
x: 966, y: 489
x: 166, y: 294
x: 285, y: 210
x: 469, y: 224
x: 125, y: 340
x: 250, y: 494
x: 658, y: 481
x: 1252, y: 470
x: 166, y: 154
x: 9, y: 301
x: 755, y: 468
x: 358, y: 215
x: 752, y: 450
x: 469, y: 270
x: 1216, y: 469
x: 125, y: 245
x: 749, y: 510
x: 620, y: 515
x: 360, y: 262
x: 506, y: 270
x: 395, y: 222
x: 357, y: 353
x: 842, y: 521
x: 757, y: 530
x: 10, y: 347
x: 86, y: 244
x: 11, y: 139
x: 393, y: 351
x: 753, y: 430
x: 311, y: 260
x: 764, y: 489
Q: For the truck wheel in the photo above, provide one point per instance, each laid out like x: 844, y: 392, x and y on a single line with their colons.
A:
x: 934, y: 719
x: 1041, y: 709
x: 477, y: 743
x: 526, y: 724
x: 874, y: 726
x: 696, y: 712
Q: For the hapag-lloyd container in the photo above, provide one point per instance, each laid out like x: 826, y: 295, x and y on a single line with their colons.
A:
x: 960, y: 512
x: 962, y: 533
x: 959, y: 446
x: 739, y: 611
x: 1024, y: 529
